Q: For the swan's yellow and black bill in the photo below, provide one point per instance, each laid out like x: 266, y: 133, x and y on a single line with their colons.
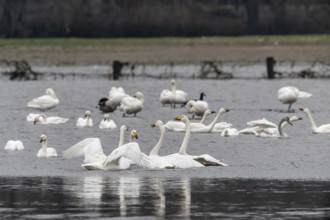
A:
x: 135, y: 135
x: 179, y: 118
x: 154, y: 124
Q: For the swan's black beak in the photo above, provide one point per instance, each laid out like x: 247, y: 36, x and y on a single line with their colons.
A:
x: 213, y: 112
x: 153, y: 125
x: 226, y: 110
x: 301, y: 109
x: 289, y: 123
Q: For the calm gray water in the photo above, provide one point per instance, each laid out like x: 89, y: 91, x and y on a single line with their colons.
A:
x: 267, y: 177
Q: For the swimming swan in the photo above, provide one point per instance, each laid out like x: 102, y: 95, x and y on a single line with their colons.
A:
x: 177, y: 96
x: 316, y: 130
x: 180, y: 126
x: 46, y: 151
x: 290, y: 94
x: 45, y: 102
x: 197, y: 107
x: 14, y: 145
x: 94, y: 157
x: 107, y: 123
x: 43, y: 119
x: 177, y: 160
x: 204, y: 159
x: 86, y: 121
x: 132, y: 105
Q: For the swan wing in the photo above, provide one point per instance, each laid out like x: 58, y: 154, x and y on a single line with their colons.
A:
x: 208, y: 160
x: 303, y: 94
x: 287, y: 94
x: 56, y: 120
x: 131, y: 151
x: 324, y: 128
x: 31, y: 116
x: 44, y: 101
x: 175, y: 126
x: 182, y: 161
x: 220, y: 126
x: 261, y: 122
x: 165, y: 96
x: 91, y: 148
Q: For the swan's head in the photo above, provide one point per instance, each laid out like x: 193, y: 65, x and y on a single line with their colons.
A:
x: 173, y: 82
x: 222, y: 110
x: 287, y: 119
x: 50, y: 91
x: 190, y: 104
x: 124, y: 128
x: 134, y: 134
x: 295, y: 118
x: 43, y: 138
x: 106, y: 117
x: 87, y: 114
x: 157, y: 123
x: 209, y: 111
x: 139, y: 95
x: 303, y: 109
x: 41, y: 117
x: 182, y: 118
x: 103, y: 101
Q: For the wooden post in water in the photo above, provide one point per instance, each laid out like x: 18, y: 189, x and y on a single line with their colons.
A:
x: 116, y: 69
x: 270, y: 62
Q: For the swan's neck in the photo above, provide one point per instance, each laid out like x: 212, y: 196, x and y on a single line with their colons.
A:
x: 154, y: 151
x: 121, y: 137
x: 280, y: 126
x: 44, y: 148
x: 88, y: 118
x: 173, y: 89
x: 185, y: 142
x: 309, y: 115
x: 211, y: 125
x: 203, y: 118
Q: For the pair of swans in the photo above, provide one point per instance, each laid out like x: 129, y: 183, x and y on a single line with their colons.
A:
x: 290, y: 94
x: 45, y: 151
x: 265, y: 128
x: 173, y: 96
x: 45, y: 102
x: 14, y: 145
x: 132, y: 104
x: 197, y: 107
x: 198, y: 127
x: 110, y: 104
x: 182, y: 159
x: 95, y: 159
x: 323, y: 129
x: 85, y: 121
x: 107, y: 123
x: 44, y: 119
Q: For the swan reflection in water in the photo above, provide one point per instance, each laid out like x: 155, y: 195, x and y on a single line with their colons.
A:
x: 126, y: 194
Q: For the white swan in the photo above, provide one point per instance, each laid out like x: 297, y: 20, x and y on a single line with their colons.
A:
x: 290, y: 94
x: 165, y: 97
x: 116, y: 94
x: 107, y: 123
x: 46, y: 151
x: 132, y: 105
x: 204, y: 159
x: 43, y: 119
x: 45, y: 102
x: 86, y: 121
x: 197, y: 107
x: 94, y: 157
x: 316, y: 129
x: 178, y: 96
x: 221, y: 126
x: 264, y: 128
x: 14, y: 145
x: 229, y: 132
x: 177, y: 160
x: 180, y: 126
x: 202, y: 128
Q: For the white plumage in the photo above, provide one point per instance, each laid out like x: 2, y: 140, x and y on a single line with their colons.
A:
x: 45, y: 102
x: 14, y: 145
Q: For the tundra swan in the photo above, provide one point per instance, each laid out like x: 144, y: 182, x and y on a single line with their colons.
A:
x: 316, y: 130
x: 229, y: 132
x: 178, y: 96
x: 178, y: 160
x: 290, y: 94
x: 265, y: 128
x: 94, y: 156
x: 14, y: 145
x: 202, y: 128
x: 132, y: 105
x: 45, y: 102
x: 107, y: 123
x: 86, y: 121
x: 46, y: 151
x: 197, y: 107
x: 165, y: 97
x: 43, y: 119
x: 180, y: 126
x: 105, y: 105
x: 204, y: 159
x: 116, y: 94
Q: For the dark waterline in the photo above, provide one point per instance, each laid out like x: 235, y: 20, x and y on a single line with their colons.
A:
x: 168, y: 198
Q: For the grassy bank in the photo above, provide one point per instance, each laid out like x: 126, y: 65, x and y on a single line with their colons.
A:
x: 240, y: 40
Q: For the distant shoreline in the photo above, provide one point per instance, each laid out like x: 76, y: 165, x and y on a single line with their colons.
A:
x: 72, y: 51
